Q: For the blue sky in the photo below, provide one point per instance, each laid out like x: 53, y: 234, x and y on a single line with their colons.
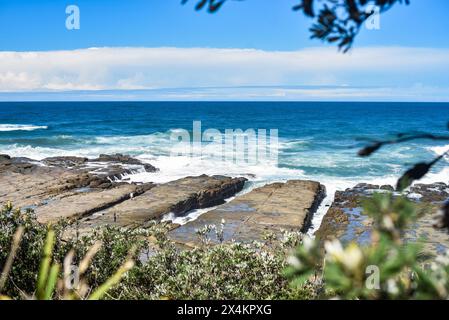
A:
x: 408, y: 55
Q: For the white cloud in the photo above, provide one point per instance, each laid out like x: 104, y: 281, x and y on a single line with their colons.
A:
x: 150, y: 68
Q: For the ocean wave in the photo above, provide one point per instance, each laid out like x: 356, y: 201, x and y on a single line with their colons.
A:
x: 56, y: 141
x: 36, y: 153
x: 294, y: 144
x: 335, y: 169
x: 20, y: 127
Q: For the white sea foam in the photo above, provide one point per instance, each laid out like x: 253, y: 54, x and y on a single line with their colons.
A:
x: 20, y: 127
x: 195, y: 214
x: 439, y: 150
x: 440, y: 176
x: 37, y: 153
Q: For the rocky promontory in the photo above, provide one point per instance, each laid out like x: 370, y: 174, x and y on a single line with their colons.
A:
x: 30, y: 183
x: 90, y: 191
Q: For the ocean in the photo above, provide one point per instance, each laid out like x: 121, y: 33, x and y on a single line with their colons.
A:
x: 317, y: 140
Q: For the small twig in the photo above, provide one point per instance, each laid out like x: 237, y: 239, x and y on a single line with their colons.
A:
x: 12, y: 254
x: 376, y: 145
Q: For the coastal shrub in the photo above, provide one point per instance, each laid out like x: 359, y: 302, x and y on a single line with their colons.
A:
x: 388, y: 268
x: 161, y: 269
x: 23, y: 274
x: 31, y: 256
x: 221, y: 271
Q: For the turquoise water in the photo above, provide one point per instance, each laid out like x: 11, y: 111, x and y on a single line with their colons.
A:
x: 316, y: 140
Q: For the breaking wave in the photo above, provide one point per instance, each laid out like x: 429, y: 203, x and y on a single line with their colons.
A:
x: 20, y: 127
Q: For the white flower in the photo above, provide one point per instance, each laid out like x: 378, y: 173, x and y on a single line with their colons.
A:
x: 308, y: 243
x: 334, y: 250
x: 388, y: 222
x: 294, y: 262
x: 392, y: 287
x: 351, y: 257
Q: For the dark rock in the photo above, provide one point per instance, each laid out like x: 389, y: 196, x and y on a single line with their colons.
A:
x: 4, y: 157
x: 64, y: 162
x: 149, y: 168
x: 124, y: 160
x: 387, y: 187
x: 435, y: 192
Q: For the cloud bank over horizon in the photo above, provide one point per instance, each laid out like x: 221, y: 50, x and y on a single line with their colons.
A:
x: 114, y: 73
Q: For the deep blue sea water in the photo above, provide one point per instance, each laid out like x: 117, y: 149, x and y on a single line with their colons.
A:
x: 316, y: 140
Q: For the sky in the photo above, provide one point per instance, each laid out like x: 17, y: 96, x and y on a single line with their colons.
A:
x: 249, y: 50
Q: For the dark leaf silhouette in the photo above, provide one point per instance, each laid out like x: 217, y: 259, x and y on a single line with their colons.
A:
x: 306, y: 6
x: 334, y: 20
x: 415, y: 173
x: 201, y: 4
x: 215, y: 6
x: 400, y: 138
x: 212, y: 5
x: 341, y: 20
x: 420, y: 169
x: 367, y: 151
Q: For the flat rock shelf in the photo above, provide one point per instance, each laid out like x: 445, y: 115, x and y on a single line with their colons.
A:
x: 272, y: 208
x: 178, y: 197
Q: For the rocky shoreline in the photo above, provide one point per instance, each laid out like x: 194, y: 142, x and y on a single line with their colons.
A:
x: 346, y: 221
x: 91, y: 192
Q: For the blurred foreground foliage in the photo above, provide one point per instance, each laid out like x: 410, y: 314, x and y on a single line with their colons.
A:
x: 113, y: 263
x: 388, y: 268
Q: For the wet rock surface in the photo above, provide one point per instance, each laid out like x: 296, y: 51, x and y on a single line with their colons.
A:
x: 346, y: 221
x: 81, y: 203
x: 272, y: 208
x: 43, y: 184
x: 177, y: 197
x: 435, y: 192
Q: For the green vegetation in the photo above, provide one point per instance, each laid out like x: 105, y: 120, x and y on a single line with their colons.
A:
x: 161, y: 269
x: 31, y: 268
x: 144, y: 264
